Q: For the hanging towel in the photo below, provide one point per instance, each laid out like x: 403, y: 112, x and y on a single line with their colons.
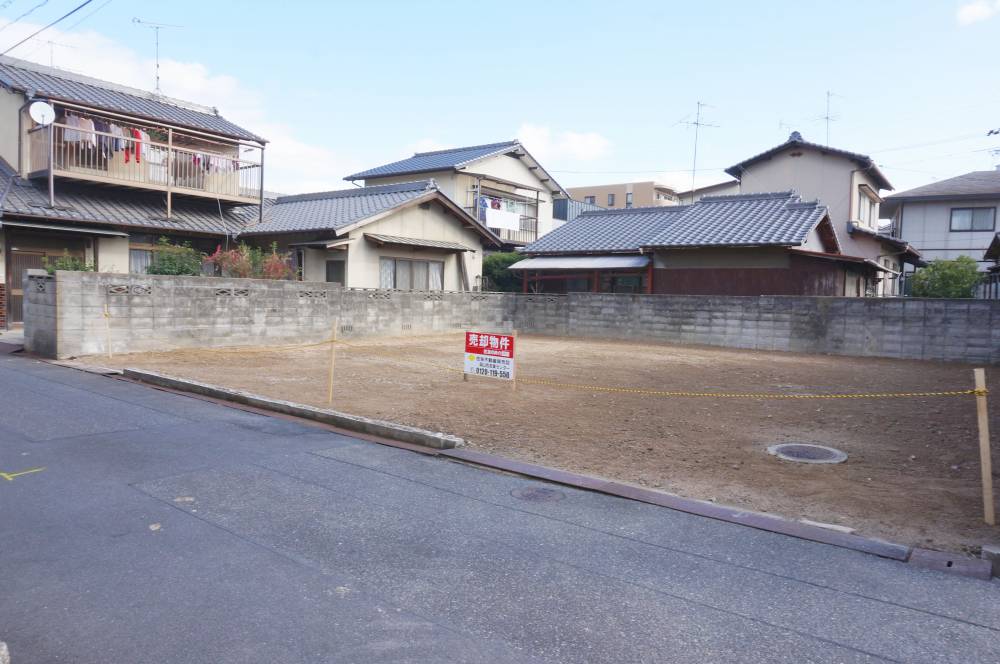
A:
x: 510, y: 221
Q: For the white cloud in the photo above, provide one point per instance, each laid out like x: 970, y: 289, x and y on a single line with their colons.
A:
x: 293, y: 162
x: 976, y: 11
x: 547, y: 145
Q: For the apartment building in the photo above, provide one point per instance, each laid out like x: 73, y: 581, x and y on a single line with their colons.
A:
x: 626, y: 195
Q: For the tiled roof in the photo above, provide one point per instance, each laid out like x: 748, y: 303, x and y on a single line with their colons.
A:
x: 795, y: 140
x: 607, y: 231
x: 427, y: 162
x: 779, y: 218
x: 332, y: 210
x: 59, y: 85
x: 976, y: 183
x: 96, y: 205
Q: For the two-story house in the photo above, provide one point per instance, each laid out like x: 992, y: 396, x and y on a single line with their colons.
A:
x: 951, y: 218
x: 500, y: 184
x: 849, y: 184
x: 100, y: 171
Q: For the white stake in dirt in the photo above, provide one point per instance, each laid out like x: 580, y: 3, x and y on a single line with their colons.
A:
x: 985, y: 456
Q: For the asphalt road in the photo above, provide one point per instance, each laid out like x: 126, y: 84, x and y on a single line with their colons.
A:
x: 163, y: 528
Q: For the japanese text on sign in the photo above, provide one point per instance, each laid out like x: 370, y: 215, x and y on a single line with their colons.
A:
x: 489, y: 355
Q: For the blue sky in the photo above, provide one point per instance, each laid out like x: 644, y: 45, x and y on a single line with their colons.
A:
x: 598, y: 91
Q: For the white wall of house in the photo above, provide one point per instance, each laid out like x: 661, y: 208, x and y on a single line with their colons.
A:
x: 430, y: 223
x: 834, y: 180
x: 457, y: 185
x: 112, y: 254
x: 927, y: 226
x: 10, y: 103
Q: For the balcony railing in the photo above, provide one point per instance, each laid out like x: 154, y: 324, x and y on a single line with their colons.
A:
x: 98, y: 156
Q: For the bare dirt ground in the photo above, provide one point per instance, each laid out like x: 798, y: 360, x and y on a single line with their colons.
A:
x: 912, y: 475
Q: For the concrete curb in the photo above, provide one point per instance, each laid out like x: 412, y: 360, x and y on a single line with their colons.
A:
x: 390, y: 430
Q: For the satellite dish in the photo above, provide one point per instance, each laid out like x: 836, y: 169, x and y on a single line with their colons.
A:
x: 42, y: 113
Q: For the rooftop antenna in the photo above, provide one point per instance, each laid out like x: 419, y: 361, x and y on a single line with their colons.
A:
x: 829, y: 118
x: 697, y: 124
x: 156, y: 27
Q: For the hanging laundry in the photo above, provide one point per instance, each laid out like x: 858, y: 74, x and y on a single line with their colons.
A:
x: 510, y: 221
x: 87, y: 135
x: 118, y: 142
x: 134, y: 145
x: 70, y: 134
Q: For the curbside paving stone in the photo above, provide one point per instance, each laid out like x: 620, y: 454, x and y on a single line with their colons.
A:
x: 390, y: 430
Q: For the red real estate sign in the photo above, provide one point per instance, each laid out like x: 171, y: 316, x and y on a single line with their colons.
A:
x: 489, y: 355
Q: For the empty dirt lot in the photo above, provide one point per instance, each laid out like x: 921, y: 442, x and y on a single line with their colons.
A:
x: 912, y: 475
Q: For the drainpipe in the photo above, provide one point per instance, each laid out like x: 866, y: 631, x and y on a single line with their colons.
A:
x: 52, y: 177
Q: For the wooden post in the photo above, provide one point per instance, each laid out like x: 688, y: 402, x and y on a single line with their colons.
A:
x: 333, y: 362
x: 107, y: 328
x: 985, y: 457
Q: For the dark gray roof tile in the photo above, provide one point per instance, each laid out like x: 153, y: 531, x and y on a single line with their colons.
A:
x: 90, y: 204
x: 976, y: 183
x: 333, y: 210
x: 59, y: 85
x: 778, y: 219
x: 428, y: 162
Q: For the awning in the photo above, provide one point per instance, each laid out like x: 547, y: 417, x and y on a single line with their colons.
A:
x: 581, y: 263
x: 416, y: 242
x: 322, y: 244
x: 56, y: 227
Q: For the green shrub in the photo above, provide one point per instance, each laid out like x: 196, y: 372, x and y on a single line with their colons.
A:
x: 947, y: 278
x: 175, y: 259
x: 497, y: 275
x: 66, y: 263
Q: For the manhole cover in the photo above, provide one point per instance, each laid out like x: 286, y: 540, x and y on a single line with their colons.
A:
x: 538, y: 494
x: 807, y: 453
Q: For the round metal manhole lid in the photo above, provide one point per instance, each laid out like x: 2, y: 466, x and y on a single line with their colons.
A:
x: 807, y: 453
x: 538, y: 494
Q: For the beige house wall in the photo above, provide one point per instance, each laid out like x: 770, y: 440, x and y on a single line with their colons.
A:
x: 432, y: 223
x: 644, y: 194
x: 10, y: 103
x: 112, y: 254
x: 832, y: 179
x: 361, y: 256
x: 721, y: 258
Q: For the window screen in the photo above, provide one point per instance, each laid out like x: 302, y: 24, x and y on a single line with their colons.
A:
x: 139, y: 260
x: 973, y: 219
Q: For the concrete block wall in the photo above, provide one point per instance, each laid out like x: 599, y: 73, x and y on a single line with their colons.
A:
x: 64, y: 317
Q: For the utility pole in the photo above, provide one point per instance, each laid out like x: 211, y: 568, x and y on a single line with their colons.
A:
x: 697, y: 124
x: 156, y: 27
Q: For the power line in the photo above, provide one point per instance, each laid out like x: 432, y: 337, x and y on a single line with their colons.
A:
x: 102, y: 6
x: 955, y: 139
x: 40, y: 30
x: 40, y: 4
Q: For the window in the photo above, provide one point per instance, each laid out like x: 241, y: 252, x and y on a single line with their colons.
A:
x: 590, y: 200
x: 628, y: 199
x: 139, y: 260
x: 335, y: 272
x: 973, y: 219
x: 611, y: 200
x: 406, y: 274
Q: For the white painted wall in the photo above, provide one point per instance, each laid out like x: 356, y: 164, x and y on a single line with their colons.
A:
x: 432, y: 223
x: 112, y: 254
x: 927, y: 226
x: 10, y: 102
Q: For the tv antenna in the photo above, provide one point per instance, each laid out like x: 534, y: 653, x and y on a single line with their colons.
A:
x: 156, y: 27
x: 697, y: 124
x: 828, y: 117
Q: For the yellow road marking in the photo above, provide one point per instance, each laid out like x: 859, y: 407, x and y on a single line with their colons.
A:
x: 11, y: 476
